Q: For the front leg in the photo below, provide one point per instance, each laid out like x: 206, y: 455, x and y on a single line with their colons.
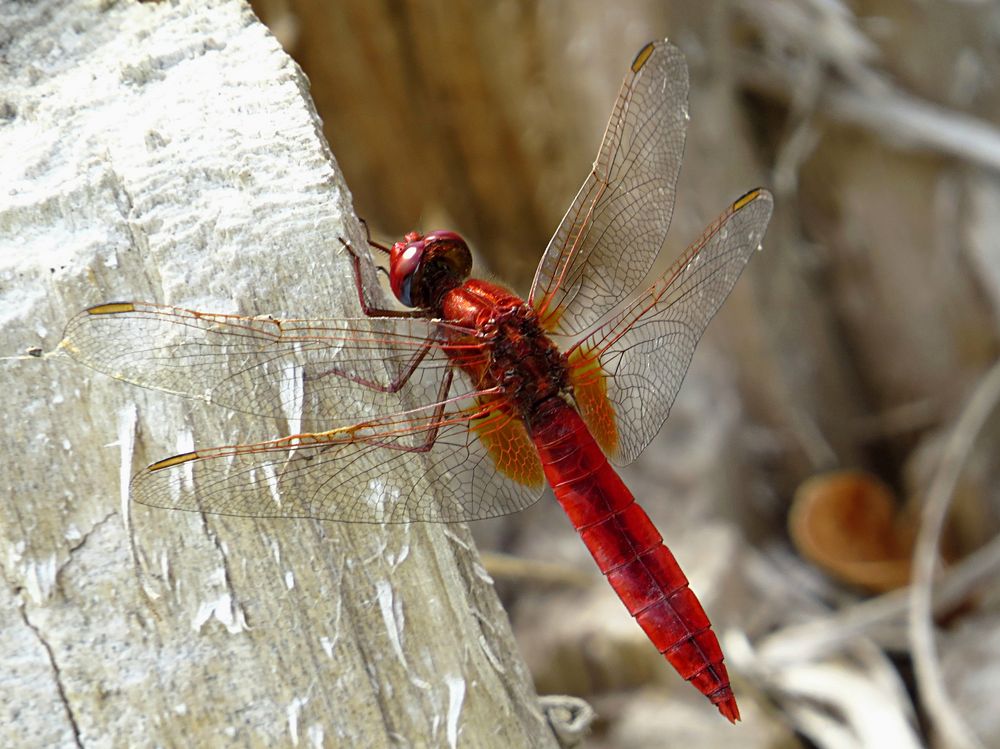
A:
x: 367, y: 307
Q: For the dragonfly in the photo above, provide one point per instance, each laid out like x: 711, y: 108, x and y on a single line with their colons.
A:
x: 467, y: 401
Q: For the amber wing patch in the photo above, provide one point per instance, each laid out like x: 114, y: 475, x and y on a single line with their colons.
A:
x: 549, y: 319
x: 590, y: 391
x: 509, y: 446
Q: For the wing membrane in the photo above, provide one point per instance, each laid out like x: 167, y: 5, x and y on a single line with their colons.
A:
x: 617, y: 223
x: 328, y: 371
x: 644, y: 350
x: 417, y: 466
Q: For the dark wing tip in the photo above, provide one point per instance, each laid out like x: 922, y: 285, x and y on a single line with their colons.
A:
x: 758, y: 193
x: 111, y: 308
x: 644, y: 54
x: 171, y: 461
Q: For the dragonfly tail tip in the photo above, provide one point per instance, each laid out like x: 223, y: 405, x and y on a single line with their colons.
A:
x: 728, y: 708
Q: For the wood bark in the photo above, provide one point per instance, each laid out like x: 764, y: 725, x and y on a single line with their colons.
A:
x: 170, y: 152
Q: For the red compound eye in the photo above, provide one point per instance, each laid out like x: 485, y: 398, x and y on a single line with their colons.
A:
x: 404, y: 263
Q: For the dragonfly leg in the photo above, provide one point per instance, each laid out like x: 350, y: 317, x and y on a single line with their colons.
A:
x: 369, y: 309
x: 392, y: 387
x: 368, y: 238
x: 435, y: 419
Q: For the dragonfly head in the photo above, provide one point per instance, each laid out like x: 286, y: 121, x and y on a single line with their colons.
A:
x: 423, y: 266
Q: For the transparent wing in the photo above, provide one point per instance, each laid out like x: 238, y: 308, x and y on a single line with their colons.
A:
x: 440, y: 465
x: 618, y: 221
x: 639, y: 357
x: 326, y: 371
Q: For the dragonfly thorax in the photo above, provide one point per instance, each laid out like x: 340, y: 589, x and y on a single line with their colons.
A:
x: 524, y: 362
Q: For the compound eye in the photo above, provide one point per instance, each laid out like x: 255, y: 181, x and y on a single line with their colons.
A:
x: 404, y: 263
x: 449, y: 248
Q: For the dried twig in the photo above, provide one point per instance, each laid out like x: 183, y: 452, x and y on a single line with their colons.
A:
x: 946, y: 719
x: 823, y: 636
x: 898, y: 117
x: 533, y: 571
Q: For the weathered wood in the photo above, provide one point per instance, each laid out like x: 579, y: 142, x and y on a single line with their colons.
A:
x: 170, y: 152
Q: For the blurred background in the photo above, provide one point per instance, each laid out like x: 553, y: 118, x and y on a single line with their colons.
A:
x: 835, y: 439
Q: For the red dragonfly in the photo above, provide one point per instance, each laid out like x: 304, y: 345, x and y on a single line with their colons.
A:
x: 465, y: 405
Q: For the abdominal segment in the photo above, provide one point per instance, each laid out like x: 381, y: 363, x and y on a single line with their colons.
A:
x: 630, y: 552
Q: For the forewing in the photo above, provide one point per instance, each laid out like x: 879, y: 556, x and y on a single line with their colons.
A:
x: 637, y: 360
x: 614, y: 228
x: 325, y: 371
x: 413, y: 467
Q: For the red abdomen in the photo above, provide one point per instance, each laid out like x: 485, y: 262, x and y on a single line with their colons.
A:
x: 629, y: 550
